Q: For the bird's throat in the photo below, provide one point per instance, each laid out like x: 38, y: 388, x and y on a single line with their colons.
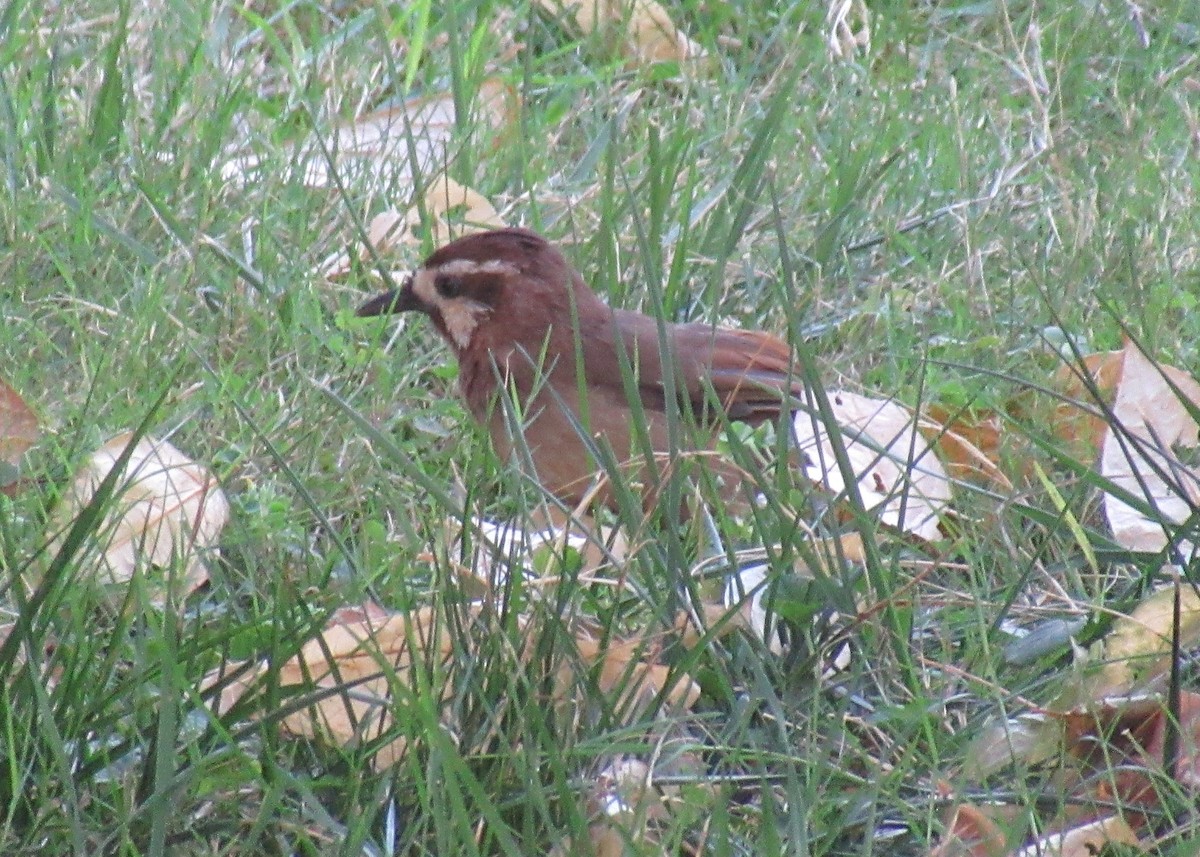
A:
x: 459, y: 321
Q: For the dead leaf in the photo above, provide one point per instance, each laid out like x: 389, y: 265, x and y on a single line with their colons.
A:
x: 1137, y: 651
x: 387, y: 147
x: 452, y: 210
x: 967, y: 443
x: 18, y: 425
x: 746, y: 589
x: 387, y: 230
x: 1125, y: 740
x: 48, y: 668
x: 353, y: 669
x: 457, y: 210
x: 1027, y: 739
x: 166, y: 508
x: 716, y: 619
x: 1149, y: 452
x: 746, y: 592
x: 18, y: 432
x: 640, y: 30
x: 628, y: 668
x: 623, y: 803
x: 896, y: 470
x: 1084, y: 840
x: 368, y: 661
x: 970, y: 832
x: 542, y: 555
x: 1076, y: 421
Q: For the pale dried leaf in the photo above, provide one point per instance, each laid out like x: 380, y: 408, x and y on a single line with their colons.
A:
x: 1137, y: 652
x: 1148, y: 453
x: 640, y: 30
x: 746, y: 590
x: 1085, y: 840
x: 623, y: 801
x: 18, y: 425
x: 382, y: 148
x: 361, y: 657
x: 368, y: 661
x: 1026, y: 740
x: 655, y: 38
x: 452, y: 209
x: 166, y: 508
x: 386, y: 231
x: 458, y: 210
x: 539, y: 553
x: 896, y: 470
x: 627, y: 669
x: 694, y: 626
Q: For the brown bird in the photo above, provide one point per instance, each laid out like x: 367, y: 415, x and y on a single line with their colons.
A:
x: 520, y: 318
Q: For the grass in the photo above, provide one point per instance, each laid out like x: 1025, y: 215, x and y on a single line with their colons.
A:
x: 920, y: 221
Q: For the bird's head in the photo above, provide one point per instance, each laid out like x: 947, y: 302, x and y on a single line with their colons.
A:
x: 510, y: 281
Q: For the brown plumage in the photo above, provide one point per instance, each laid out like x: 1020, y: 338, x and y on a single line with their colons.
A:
x: 513, y: 308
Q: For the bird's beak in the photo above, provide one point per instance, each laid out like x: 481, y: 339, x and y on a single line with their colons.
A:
x: 397, y: 300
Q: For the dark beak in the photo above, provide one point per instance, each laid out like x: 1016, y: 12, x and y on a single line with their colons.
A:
x: 397, y: 300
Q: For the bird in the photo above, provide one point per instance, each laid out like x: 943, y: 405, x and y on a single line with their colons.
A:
x: 585, y: 377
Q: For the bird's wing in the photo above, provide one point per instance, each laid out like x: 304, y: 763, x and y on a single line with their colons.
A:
x: 750, y: 373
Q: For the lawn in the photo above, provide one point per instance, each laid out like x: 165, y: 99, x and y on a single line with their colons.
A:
x: 942, y: 204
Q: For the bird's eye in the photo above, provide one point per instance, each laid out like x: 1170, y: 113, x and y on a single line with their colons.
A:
x: 448, y: 286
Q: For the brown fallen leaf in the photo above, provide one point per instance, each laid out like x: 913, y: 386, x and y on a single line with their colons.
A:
x: 640, y: 30
x: 364, y: 667
x: 1137, y: 651
x: 629, y: 669
x: 451, y: 210
x: 18, y: 432
x: 18, y: 425
x: 977, y: 831
x: 1150, y: 451
x: 1076, y: 421
x: 457, y: 210
x: 970, y: 832
x: 968, y: 443
x: 166, y: 509
x: 1136, y: 660
x: 897, y: 471
x: 352, y: 670
x: 385, y: 148
x: 692, y: 627
x: 1124, y: 740
x: 624, y: 804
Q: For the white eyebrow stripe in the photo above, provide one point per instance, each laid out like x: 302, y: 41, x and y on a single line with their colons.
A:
x: 422, y: 286
x: 469, y: 266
